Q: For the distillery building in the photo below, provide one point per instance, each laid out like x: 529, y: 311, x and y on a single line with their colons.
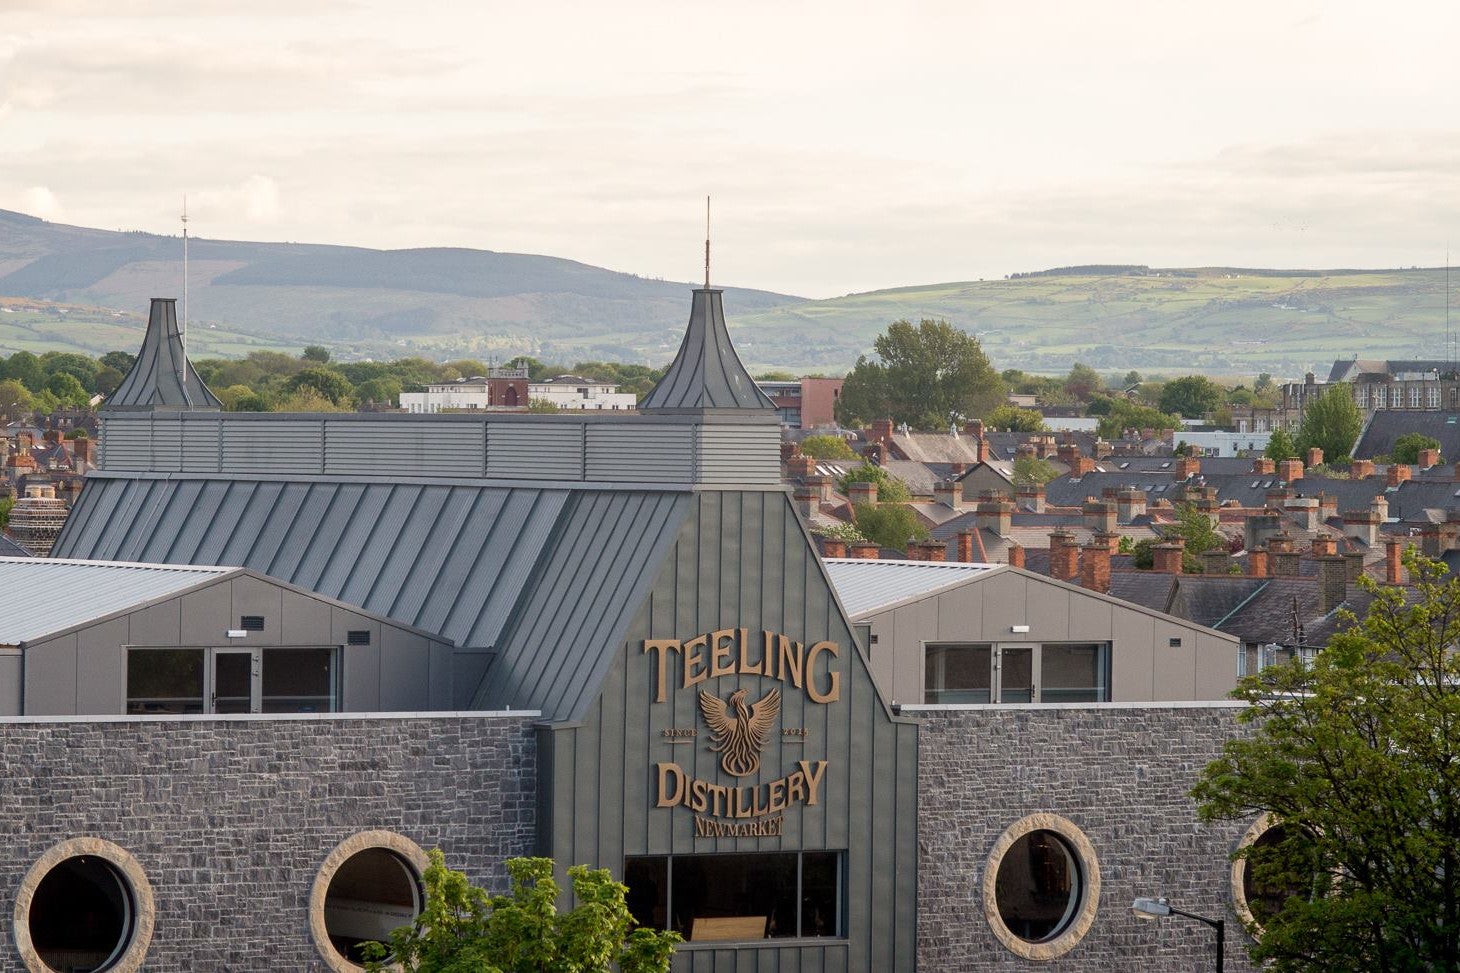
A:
x: 320, y: 645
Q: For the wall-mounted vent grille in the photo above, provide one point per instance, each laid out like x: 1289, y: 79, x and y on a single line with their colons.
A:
x: 358, y: 637
x: 251, y: 623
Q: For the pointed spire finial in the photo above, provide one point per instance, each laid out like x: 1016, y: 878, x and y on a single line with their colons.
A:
x: 707, y: 243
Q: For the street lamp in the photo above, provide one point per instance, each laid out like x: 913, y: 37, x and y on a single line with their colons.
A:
x: 1157, y: 908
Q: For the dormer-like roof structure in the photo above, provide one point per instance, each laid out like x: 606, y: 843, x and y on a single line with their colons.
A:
x: 707, y: 374
x: 162, y: 378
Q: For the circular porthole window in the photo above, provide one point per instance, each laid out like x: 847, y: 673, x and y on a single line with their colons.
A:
x: 368, y: 886
x: 84, y: 907
x: 1041, y: 886
x: 1262, y: 885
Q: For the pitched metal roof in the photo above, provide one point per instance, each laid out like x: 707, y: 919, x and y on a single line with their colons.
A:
x: 162, y: 376
x: 706, y: 373
x: 8, y: 548
x: 547, y: 578
x: 590, y: 579
x: 865, y: 586
x: 49, y: 595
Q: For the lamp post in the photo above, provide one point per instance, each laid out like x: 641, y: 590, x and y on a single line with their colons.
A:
x: 1158, y: 908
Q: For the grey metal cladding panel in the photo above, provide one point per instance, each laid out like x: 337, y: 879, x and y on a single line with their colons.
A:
x: 543, y: 451
x: 277, y: 446
x: 639, y: 452
x: 590, y: 580
x: 126, y: 443
x: 404, y: 448
x: 167, y: 447
x: 200, y: 445
x: 739, y: 454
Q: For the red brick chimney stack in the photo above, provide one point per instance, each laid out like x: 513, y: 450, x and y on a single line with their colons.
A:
x: 1398, y: 473
x: 1095, y: 567
x: 965, y: 546
x: 1312, y: 458
x: 1167, y: 556
x: 865, y: 551
x: 1394, y: 562
x: 1016, y: 556
x: 1257, y: 563
x: 832, y: 547
x: 1064, y: 555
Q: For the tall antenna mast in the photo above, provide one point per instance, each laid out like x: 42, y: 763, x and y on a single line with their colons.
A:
x: 183, y: 367
x: 707, y: 243
x: 1449, y: 347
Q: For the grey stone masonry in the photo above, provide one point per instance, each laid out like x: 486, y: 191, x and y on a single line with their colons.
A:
x: 1122, y: 775
x: 230, y: 818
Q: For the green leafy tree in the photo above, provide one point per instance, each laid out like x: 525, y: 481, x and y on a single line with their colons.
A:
x: 1264, y: 385
x: 26, y: 369
x: 1033, y: 471
x: 306, y: 399
x: 1190, y: 397
x: 1125, y: 415
x: 890, y: 525
x: 1132, y: 377
x: 79, y: 367
x: 463, y: 929
x: 1280, y: 446
x: 827, y: 447
x: 68, y: 390
x: 107, y: 380
x: 382, y: 391
x: 78, y: 433
x: 1016, y: 419
x: 1357, y: 758
x: 1196, y: 528
x: 889, y: 487
x: 542, y: 405
x: 15, y: 399
x: 1083, y: 382
x: 926, y: 376
x: 122, y: 361
x: 775, y: 376
x: 325, y: 382
x: 1407, y: 447
x: 316, y: 353
x: 5, y: 504
x: 1332, y: 423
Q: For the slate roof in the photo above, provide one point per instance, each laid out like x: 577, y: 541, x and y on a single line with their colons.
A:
x: 49, y: 595
x: 930, y: 447
x: 162, y: 376
x: 1387, y: 425
x: 866, y: 586
x: 8, y: 548
x: 706, y: 373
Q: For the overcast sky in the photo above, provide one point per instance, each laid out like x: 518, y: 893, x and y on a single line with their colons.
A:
x: 849, y: 146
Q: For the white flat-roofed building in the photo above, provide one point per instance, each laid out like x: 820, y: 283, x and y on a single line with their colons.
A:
x: 577, y: 392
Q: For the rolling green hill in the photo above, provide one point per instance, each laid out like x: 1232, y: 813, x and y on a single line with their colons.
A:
x: 453, y: 303
x: 1220, y: 320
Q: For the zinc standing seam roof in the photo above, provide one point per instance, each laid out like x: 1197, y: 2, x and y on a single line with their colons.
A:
x: 706, y: 373
x: 162, y: 374
x: 864, y: 586
x: 45, y: 595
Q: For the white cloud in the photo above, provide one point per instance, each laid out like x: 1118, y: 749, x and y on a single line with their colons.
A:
x: 40, y: 201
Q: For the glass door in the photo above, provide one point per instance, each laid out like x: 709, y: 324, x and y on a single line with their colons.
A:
x: 1015, y: 667
x: 235, y: 681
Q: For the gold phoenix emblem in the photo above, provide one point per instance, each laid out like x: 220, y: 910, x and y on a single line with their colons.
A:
x: 740, y: 736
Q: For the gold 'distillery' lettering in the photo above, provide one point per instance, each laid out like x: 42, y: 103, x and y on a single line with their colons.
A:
x: 678, y: 788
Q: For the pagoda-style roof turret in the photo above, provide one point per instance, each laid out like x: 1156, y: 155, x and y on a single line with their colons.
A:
x: 162, y: 378
x: 706, y: 374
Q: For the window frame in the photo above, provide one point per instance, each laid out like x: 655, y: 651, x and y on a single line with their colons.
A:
x: 257, y: 656
x: 1104, y: 688
x: 841, y: 895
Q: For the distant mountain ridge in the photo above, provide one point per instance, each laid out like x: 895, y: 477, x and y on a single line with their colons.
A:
x: 438, y: 302
x: 445, y: 303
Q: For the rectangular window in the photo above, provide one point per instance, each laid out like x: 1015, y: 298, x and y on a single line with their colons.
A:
x: 165, y: 681
x: 232, y: 680
x: 1051, y: 672
x: 1363, y: 396
x: 1075, y: 673
x: 959, y: 674
x: 1432, y: 397
x: 739, y: 898
x: 1414, y: 396
x: 1396, y: 398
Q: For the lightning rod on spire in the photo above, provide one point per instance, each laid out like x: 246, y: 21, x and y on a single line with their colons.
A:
x: 707, y: 243
x: 183, y: 365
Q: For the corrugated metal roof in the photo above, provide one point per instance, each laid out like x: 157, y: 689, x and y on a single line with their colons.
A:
x: 865, y: 586
x: 48, y: 595
x: 447, y: 559
x: 706, y: 373
x: 162, y: 375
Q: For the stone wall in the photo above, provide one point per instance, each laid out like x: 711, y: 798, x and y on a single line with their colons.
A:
x: 1122, y: 775
x: 231, y: 818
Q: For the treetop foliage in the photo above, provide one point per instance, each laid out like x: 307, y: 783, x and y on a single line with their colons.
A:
x: 1332, y: 423
x: 463, y: 929
x: 827, y: 447
x: 889, y: 487
x: 1357, y: 757
x: 928, y: 376
x: 1408, y: 446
